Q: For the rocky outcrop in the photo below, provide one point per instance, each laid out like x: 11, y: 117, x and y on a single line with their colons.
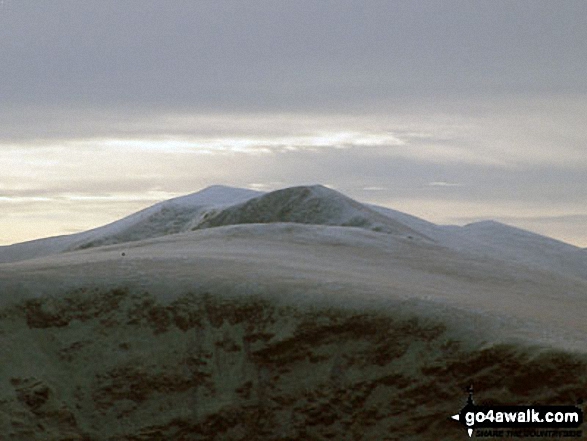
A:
x: 121, y: 365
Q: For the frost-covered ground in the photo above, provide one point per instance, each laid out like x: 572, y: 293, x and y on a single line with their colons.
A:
x: 297, y: 314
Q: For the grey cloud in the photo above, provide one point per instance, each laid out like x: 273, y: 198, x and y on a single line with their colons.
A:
x: 353, y: 169
x: 350, y: 169
x: 499, y: 85
x: 260, y: 55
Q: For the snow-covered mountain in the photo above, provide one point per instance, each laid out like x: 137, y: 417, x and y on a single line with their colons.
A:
x: 218, y: 206
x: 295, y: 314
x: 518, y: 245
x: 167, y: 217
x: 222, y: 215
x: 314, y: 205
x: 221, y: 206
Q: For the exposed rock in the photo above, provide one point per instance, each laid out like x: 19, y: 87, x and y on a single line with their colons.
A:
x: 206, y: 367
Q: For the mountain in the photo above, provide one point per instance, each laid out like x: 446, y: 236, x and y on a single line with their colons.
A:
x: 315, y: 205
x: 485, y: 250
x: 519, y: 245
x: 167, y: 217
x: 220, y: 206
x: 294, y: 314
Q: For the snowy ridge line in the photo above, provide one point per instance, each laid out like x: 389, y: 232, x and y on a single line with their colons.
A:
x: 221, y: 206
x: 215, y: 196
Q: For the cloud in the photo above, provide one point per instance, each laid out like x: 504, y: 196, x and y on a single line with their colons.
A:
x: 411, y: 156
x: 443, y: 184
x: 73, y: 185
x: 375, y: 188
x: 108, y: 105
x: 305, y: 55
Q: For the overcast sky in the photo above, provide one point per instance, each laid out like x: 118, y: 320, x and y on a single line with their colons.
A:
x: 454, y: 111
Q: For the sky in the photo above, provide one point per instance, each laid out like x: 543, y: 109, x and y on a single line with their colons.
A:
x: 453, y: 111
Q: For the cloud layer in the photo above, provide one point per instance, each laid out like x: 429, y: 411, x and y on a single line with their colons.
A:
x: 299, y: 55
x: 451, y: 110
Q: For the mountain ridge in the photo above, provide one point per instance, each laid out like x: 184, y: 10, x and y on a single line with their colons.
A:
x: 220, y: 206
x: 242, y: 324
x: 315, y: 205
x: 211, y: 196
x: 212, y: 207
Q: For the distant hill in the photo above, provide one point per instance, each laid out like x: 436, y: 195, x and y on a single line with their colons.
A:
x: 167, y: 217
x: 221, y: 206
x: 296, y: 314
x: 218, y: 206
x: 315, y: 205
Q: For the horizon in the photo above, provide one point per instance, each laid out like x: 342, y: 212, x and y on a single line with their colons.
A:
x: 228, y: 187
x: 452, y: 112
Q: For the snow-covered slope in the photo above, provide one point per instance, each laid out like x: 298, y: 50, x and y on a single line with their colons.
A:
x: 167, y: 217
x: 315, y: 205
x: 219, y: 206
x: 317, y: 257
x: 297, y: 314
x: 220, y: 332
x: 511, y: 244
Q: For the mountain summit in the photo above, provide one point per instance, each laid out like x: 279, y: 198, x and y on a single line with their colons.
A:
x: 220, y: 206
x: 294, y: 314
x: 315, y: 205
